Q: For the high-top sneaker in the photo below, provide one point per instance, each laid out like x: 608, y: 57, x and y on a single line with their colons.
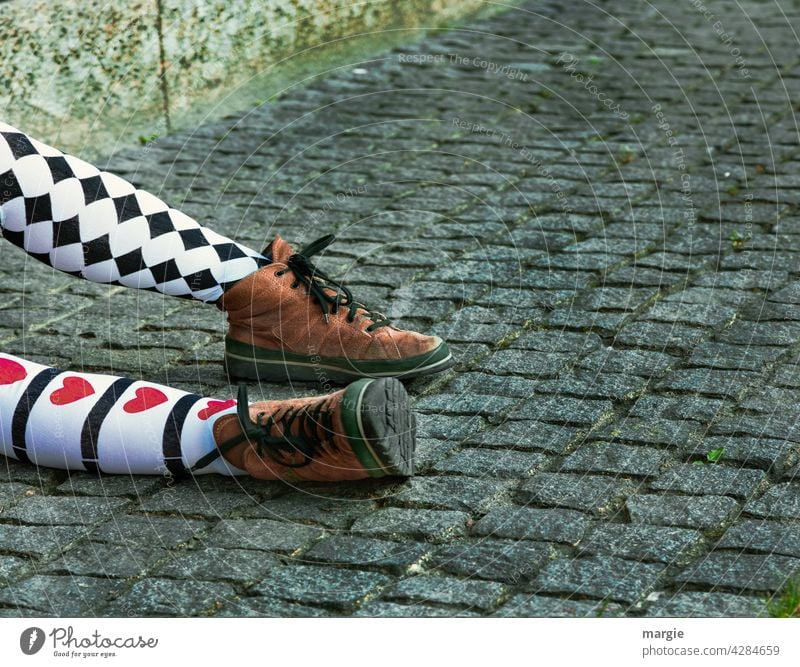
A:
x: 364, y: 430
x: 289, y: 320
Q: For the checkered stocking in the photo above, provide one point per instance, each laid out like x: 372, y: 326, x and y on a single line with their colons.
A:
x: 102, y: 423
x: 90, y: 223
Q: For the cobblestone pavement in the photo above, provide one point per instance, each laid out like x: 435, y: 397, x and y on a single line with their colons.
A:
x: 595, y: 205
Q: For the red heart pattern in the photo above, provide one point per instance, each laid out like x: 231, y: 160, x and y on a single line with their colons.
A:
x: 146, y: 398
x: 214, y: 407
x: 11, y: 371
x: 72, y: 389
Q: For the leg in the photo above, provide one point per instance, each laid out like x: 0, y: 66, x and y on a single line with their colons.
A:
x: 102, y: 423
x: 78, y: 219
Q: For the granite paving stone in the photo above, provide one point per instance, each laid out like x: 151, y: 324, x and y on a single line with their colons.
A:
x: 524, y: 523
x: 364, y: 552
x: 557, y: 341
x: 66, y: 510
x: 740, y: 571
x: 109, y: 485
x: 429, y: 452
x: 766, y: 536
x: 703, y: 512
x: 480, y: 595
x: 339, y: 589
x: 709, y: 381
x: 782, y: 501
x: 660, y: 336
x: 527, y: 605
x: 643, y: 542
x: 614, y: 386
x: 485, y: 384
x: 262, y: 535
x: 11, y: 492
x: 766, y: 454
x: 492, y: 463
x: 652, y: 430
x: 602, y: 577
x: 535, y: 365
x: 754, y: 333
x: 380, y: 609
x: 450, y: 493
x: 527, y: 435
x: 644, y: 363
x: 564, y: 410
x: 710, y: 479
x: 693, y: 314
x: 506, y: 561
x: 713, y: 354
x: 98, y: 559
x: 260, y: 607
x: 396, y: 522
x: 465, y: 331
x: 215, y: 564
x: 598, y: 494
x: 38, y: 540
x: 465, y: 404
x: 688, y: 408
x: 61, y: 595
x: 314, y: 508
x: 616, y: 298
x: 169, y: 597
x: 639, y: 275
x: 771, y: 399
x: 773, y: 426
x: 158, y: 531
x: 605, y: 323
x: 20, y: 612
x: 195, y: 502
x: 707, y: 605
x: 448, y: 427
x: 614, y: 458
x: 787, y: 375
x: 9, y: 566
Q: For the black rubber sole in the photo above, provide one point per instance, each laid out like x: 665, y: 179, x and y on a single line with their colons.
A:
x: 247, y: 362
x: 387, y: 424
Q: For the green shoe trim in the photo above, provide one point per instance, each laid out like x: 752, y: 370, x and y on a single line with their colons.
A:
x: 351, y: 419
x: 243, y: 352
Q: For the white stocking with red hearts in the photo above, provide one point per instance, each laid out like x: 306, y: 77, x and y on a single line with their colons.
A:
x: 103, y: 423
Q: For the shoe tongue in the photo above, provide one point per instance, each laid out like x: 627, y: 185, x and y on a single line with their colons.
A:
x: 279, y: 250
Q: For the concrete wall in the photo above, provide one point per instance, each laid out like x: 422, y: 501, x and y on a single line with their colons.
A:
x: 90, y: 75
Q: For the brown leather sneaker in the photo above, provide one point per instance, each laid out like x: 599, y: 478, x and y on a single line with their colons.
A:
x: 289, y: 320
x: 365, y: 430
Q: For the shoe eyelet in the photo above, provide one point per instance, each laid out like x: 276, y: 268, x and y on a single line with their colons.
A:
x: 279, y: 272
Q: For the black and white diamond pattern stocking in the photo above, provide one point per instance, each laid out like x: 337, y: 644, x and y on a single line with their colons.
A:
x: 91, y: 223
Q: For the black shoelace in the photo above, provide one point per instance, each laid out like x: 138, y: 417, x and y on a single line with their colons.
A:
x: 317, y: 281
x: 278, y: 447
